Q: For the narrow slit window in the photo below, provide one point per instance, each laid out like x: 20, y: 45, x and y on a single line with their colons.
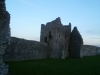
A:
x: 45, y: 39
x: 50, y: 34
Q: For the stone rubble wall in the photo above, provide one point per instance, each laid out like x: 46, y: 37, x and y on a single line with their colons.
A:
x: 4, y: 36
x: 89, y: 50
x: 20, y: 49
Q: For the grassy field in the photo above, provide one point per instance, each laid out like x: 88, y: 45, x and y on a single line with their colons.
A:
x: 69, y: 66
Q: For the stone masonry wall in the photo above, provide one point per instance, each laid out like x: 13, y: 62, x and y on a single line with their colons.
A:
x: 88, y: 50
x: 4, y: 35
x: 20, y: 49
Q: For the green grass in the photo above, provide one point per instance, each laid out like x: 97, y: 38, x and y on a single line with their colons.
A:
x: 69, y: 66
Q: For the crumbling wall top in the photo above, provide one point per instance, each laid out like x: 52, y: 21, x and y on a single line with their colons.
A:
x: 55, y: 22
x: 2, y: 5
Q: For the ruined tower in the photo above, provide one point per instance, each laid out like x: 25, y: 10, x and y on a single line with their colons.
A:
x: 76, y: 42
x: 4, y: 35
x: 56, y: 36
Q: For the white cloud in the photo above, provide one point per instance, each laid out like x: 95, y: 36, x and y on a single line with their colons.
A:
x: 36, y: 7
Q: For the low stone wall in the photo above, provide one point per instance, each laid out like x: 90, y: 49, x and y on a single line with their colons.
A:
x: 20, y: 49
x: 89, y: 50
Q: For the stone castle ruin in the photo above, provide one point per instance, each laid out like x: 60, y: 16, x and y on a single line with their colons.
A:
x: 56, y: 41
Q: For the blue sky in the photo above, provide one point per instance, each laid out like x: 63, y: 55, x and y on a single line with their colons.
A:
x: 28, y: 15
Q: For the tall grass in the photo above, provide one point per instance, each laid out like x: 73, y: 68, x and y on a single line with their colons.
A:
x: 69, y: 66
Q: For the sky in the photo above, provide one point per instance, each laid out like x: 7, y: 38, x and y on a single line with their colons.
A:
x: 28, y: 15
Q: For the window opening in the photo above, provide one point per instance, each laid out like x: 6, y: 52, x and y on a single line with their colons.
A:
x: 50, y: 34
x: 45, y: 39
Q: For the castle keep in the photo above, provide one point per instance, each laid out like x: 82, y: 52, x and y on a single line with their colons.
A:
x: 56, y: 36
